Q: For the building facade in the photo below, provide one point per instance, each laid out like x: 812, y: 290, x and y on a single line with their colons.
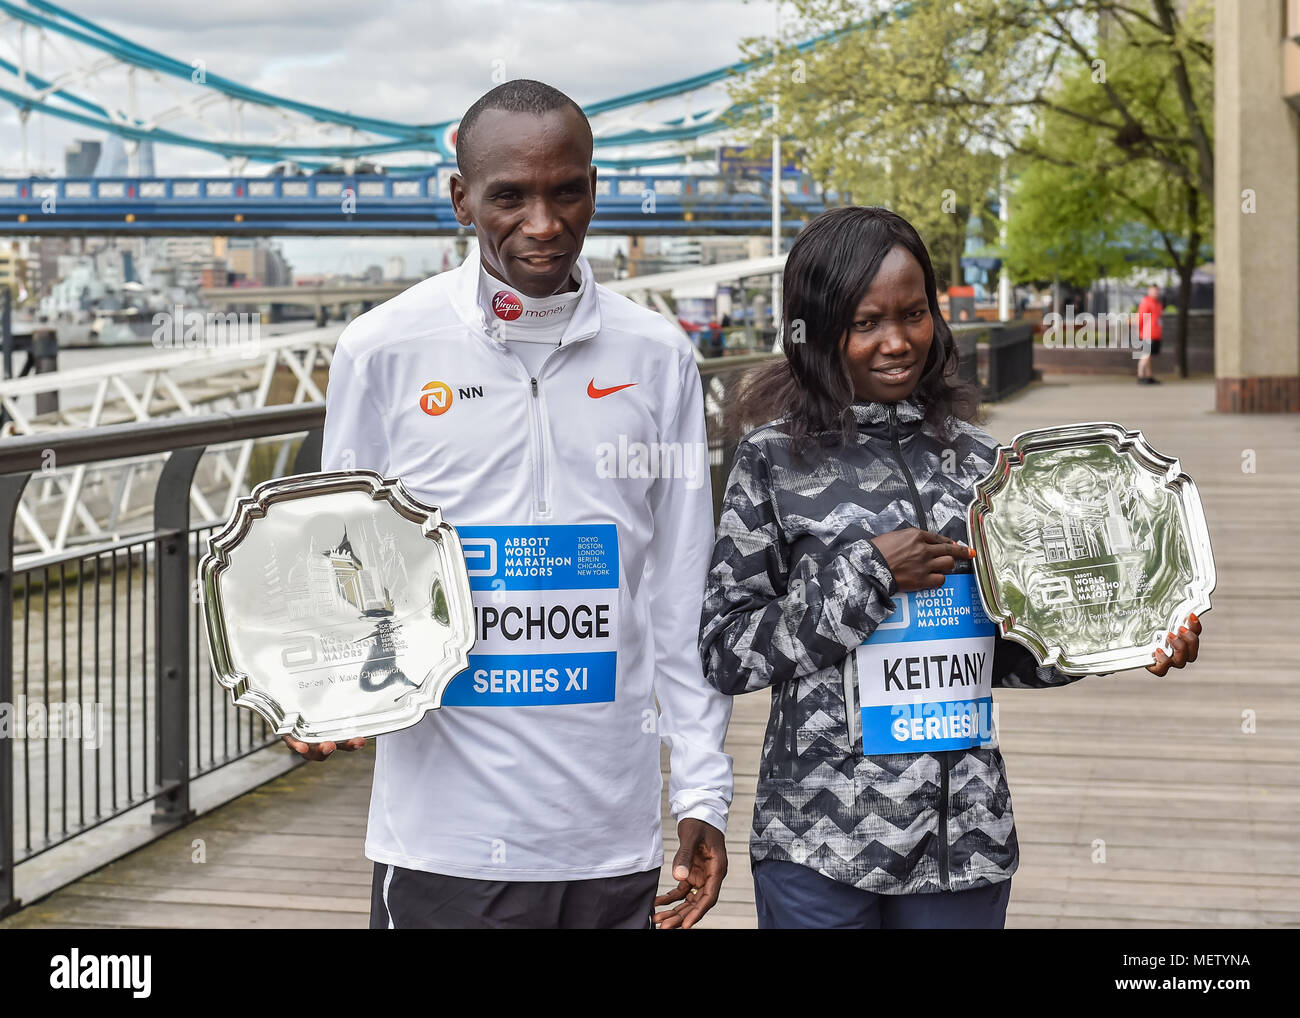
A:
x: 1257, y: 206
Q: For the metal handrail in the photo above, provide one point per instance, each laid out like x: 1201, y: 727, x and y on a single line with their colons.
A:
x: 159, y: 671
x: 28, y: 453
x: 717, y: 365
x: 162, y: 670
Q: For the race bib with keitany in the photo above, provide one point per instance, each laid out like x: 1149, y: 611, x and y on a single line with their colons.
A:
x: 545, y: 613
x: 925, y: 676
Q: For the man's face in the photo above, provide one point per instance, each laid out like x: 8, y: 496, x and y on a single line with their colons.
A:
x: 529, y: 193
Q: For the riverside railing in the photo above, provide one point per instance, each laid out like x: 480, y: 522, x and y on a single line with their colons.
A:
x: 109, y: 699
x: 103, y: 680
x: 996, y: 356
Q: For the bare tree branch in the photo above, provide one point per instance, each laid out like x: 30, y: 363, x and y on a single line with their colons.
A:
x: 1200, y: 136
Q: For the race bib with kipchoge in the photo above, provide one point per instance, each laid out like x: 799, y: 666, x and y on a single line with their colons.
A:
x: 545, y: 613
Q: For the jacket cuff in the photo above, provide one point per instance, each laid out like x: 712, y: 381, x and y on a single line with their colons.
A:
x: 864, y: 608
x: 878, y: 566
x: 705, y: 812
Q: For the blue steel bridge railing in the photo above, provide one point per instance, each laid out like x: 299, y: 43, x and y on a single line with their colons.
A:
x: 417, y: 204
x: 331, y: 188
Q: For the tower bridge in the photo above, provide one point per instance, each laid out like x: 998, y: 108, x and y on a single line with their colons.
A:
x: 376, y: 204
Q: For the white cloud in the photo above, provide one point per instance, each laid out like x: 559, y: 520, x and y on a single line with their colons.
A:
x: 416, y: 61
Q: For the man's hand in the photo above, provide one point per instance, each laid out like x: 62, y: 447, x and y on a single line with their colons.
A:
x: 698, y: 867
x: 919, y: 559
x: 1186, y: 646
x: 321, y: 750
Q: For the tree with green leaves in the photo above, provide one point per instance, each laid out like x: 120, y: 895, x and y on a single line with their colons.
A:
x: 1055, y: 233
x: 1117, y: 96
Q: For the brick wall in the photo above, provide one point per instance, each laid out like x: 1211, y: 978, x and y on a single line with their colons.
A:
x: 1257, y: 395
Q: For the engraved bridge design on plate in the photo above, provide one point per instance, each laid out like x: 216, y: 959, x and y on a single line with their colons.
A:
x: 337, y: 605
x: 1090, y: 546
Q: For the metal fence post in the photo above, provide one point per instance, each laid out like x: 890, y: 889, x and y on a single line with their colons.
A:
x: 11, y: 492
x: 7, y: 336
x: 996, y: 365
x: 174, y: 598
x: 307, y: 461
x: 45, y: 358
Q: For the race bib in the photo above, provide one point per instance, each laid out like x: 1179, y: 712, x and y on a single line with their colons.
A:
x: 545, y: 614
x: 925, y: 676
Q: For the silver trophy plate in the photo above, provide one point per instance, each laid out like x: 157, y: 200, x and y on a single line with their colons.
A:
x: 337, y: 605
x: 1090, y: 547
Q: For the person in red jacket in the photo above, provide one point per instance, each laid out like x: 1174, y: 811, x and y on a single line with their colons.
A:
x: 1149, y: 311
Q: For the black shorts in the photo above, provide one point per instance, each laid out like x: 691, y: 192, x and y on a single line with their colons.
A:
x: 412, y: 899
x: 1154, y: 345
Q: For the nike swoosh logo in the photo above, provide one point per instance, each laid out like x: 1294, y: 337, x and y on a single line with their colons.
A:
x: 595, y: 393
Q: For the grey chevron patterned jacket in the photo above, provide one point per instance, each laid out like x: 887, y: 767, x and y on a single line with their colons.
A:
x: 795, y: 585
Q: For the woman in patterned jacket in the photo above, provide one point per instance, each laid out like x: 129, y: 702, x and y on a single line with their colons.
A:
x: 839, y: 581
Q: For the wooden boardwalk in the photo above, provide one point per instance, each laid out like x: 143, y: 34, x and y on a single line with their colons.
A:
x: 1139, y: 801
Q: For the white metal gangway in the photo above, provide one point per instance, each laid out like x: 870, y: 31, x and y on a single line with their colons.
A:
x: 92, y: 502
x: 649, y: 290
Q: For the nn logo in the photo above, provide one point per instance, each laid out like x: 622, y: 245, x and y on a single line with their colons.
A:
x: 436, y: 397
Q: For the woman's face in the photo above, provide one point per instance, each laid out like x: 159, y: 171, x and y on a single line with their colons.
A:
x: 887, y: 344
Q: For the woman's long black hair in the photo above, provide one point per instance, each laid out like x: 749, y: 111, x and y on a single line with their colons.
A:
x: 831, y: 265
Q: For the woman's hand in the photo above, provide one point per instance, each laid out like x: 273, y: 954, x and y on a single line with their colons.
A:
x: 1186, y: 645
x: 919, y: 559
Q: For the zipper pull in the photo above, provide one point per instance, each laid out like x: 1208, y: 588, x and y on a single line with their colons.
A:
x: 893, y: 419
x: 534, y: 381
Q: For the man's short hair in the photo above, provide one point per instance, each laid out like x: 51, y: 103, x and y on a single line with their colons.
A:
x: 520, y: 95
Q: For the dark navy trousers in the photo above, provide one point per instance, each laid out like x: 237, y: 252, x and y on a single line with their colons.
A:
x: 793, y: 897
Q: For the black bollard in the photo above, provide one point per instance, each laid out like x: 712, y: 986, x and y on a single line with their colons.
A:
x: 7, y: 331
x: 45, y: 355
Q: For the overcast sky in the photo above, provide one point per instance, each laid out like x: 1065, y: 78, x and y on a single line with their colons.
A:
x: 419, y: 61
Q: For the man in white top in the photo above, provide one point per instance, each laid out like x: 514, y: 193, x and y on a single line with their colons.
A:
x: 560, y: 427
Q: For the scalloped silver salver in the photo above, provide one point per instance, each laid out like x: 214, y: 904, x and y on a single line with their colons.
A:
x: 336, y: 605
x: 1090, y: 546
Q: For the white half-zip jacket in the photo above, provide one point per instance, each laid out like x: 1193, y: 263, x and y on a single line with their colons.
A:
x: 583, y: 502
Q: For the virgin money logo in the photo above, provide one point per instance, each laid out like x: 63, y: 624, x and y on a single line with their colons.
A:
x: 507, y: 306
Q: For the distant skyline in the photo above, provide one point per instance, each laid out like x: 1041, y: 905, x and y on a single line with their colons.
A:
x: 422, y: 256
